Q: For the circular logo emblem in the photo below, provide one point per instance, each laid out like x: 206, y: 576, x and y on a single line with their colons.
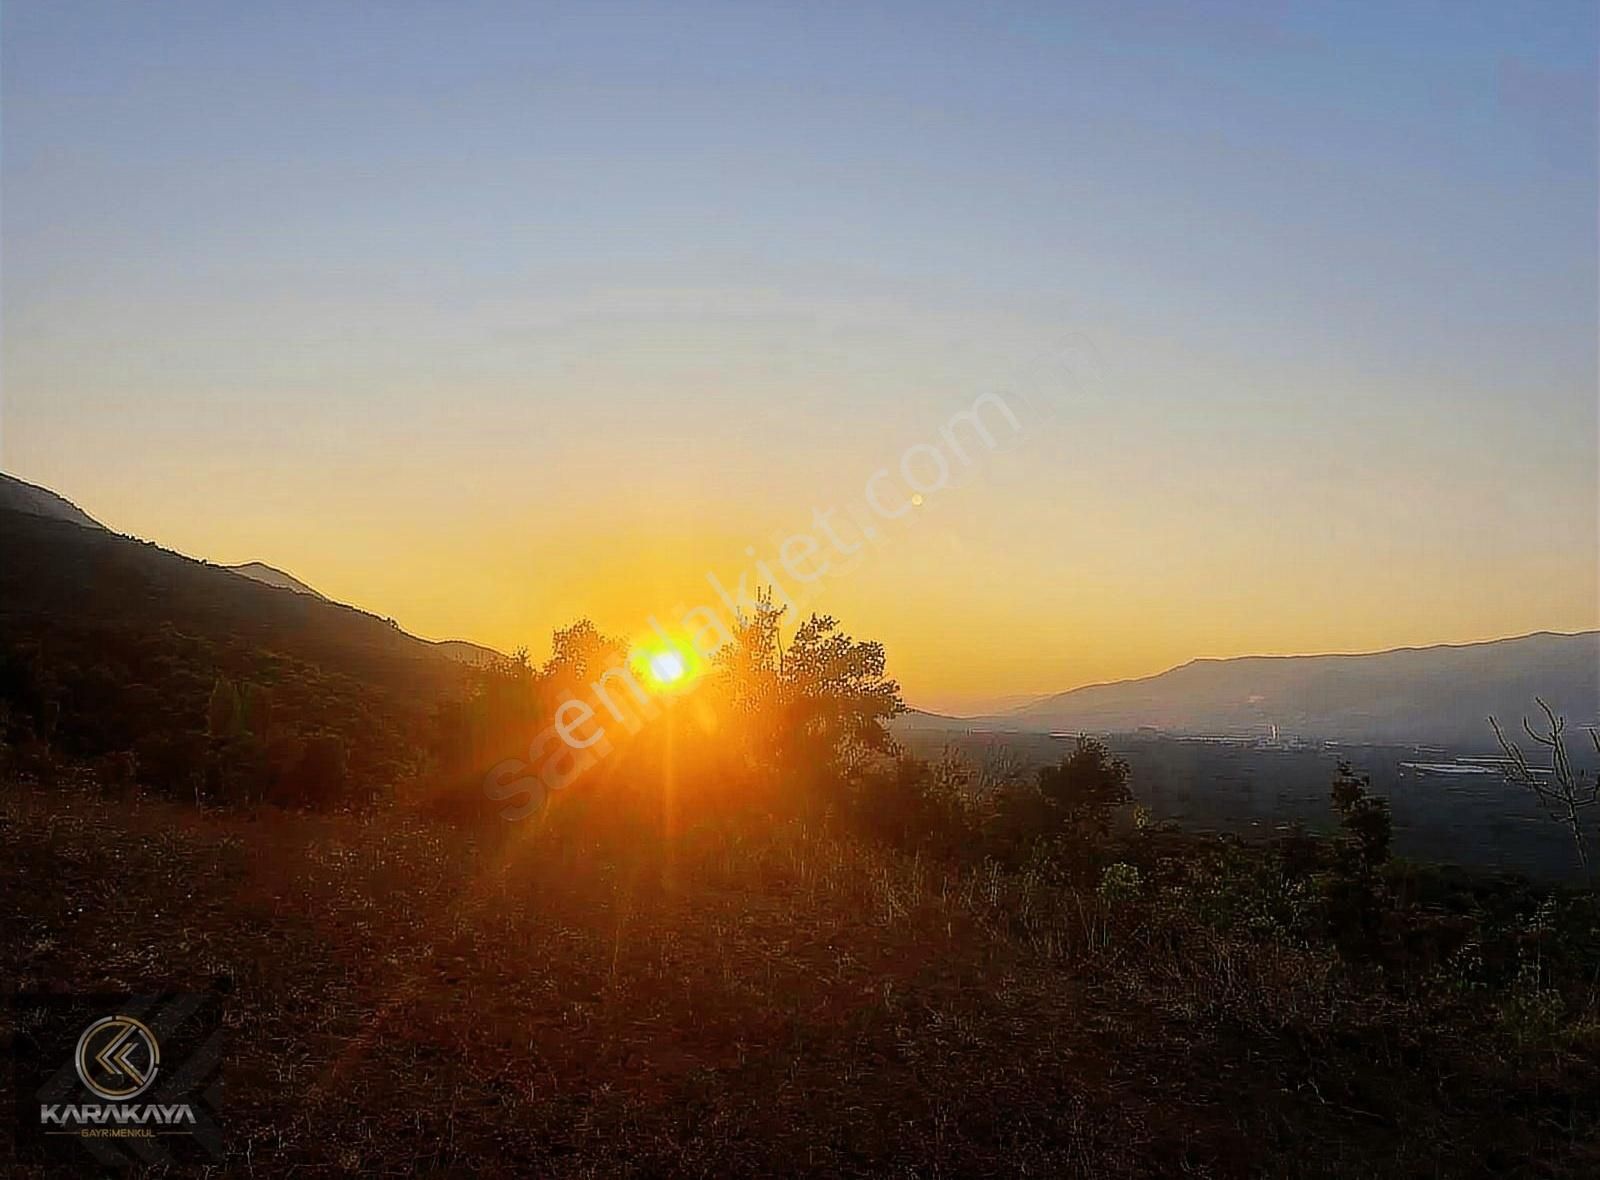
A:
x: 117, y: 1057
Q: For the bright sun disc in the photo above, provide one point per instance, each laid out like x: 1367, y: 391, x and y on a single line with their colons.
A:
x: 667, y: 666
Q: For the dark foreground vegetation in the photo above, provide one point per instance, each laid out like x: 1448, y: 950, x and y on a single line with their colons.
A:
x: 763, y: 992
x: 753, y: 940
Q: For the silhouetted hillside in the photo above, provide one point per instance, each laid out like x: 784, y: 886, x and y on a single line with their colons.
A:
x: 50, y: 572
x: 1433, y: 694
x: 465, y: 652
x: 473, y: 654
x: 920, y: 720
x: 27, y: 498
x: 267, y: 575
x: 199, y: 678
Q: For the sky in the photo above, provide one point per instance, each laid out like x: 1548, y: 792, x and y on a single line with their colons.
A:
x: 487, y: 317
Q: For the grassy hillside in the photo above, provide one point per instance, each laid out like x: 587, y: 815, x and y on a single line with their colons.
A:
x: 765, y: 995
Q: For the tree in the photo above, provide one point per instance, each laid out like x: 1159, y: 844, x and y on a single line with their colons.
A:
x: 580, y: 652
x: 1566, y: 794
x: 1085, y: 785
x: 225, y: 713
x: 836, y: 693
x: 1355, y: 894
x: 1364, y: 816
x: 823, y: 703
x: 916, y: 804
x: 1059, y: 820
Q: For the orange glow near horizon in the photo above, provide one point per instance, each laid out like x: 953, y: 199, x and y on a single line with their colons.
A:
x: 1042, y: 569
x: 982, y: 599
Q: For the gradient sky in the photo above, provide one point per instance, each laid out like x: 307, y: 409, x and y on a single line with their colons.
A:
x: 489, y: 316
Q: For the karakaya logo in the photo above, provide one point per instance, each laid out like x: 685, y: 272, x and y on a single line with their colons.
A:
x: 117, y: 1058
x: 122, y: 1080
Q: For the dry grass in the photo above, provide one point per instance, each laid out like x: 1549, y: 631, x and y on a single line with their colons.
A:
x: 408, y: 997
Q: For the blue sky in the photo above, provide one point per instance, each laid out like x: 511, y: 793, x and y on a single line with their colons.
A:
x: 420, y: 263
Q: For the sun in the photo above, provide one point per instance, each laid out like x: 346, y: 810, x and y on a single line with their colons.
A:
x: 667, y: 667
x: 667, y: 664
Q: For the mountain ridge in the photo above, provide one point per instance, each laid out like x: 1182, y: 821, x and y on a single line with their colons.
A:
x: 461, y: 650
x: 33, y: 500
x: 1434, y: 693
x: 18, y: 495
x: 1316, y: 655
x: 267, y: 575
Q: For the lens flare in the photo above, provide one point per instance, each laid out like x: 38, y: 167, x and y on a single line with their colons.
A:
x: 666, y: 664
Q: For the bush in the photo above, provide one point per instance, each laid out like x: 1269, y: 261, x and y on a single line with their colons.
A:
x: 1365, y: 819
x: 1085, y: 786
x: 1060, y: 824
x: 917, y: 805
x: 1120, y: 882
x: 317, y: 778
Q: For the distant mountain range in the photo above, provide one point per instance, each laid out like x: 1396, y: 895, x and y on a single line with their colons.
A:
x: 1437, y: 695
x: 31, y: 500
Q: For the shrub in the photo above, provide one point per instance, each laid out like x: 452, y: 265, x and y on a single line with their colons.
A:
x: 1085, y: 786
x: 1060, y: 824
x: 318, y: 776
x: 917, y: 805
x: 1355, y: 895
x: 1364, y: 817
x: 1120, y: 882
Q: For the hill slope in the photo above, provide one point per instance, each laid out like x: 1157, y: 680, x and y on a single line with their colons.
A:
x: 49, y: 572
x: 472, y: 654
x: 31, y: 500
x: 1432, y: 694
x: 267, y: 575
x: 214, y: 684
x: 28, y: 499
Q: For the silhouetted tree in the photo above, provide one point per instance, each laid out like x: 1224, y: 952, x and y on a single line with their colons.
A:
x: 1364, y: 816
x: 1085, y: 785
x: 1060, y: 820
x: 1355, y: 893
x: 916, y: 804
x: 581, y: 652
x: 821, y: 704
x: 1565, y: 793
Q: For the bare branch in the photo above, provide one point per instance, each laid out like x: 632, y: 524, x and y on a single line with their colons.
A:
x: 1540, y: 738
x: 1565, y: 792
